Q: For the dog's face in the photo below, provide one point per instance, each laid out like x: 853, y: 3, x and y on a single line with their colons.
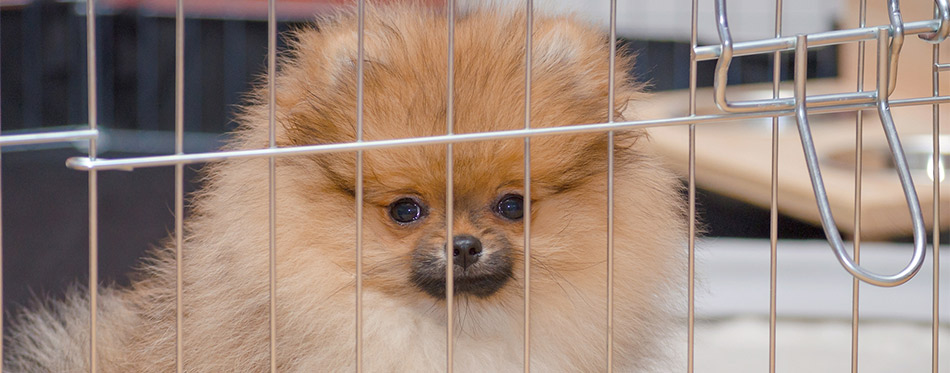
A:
x: 405, y: 211
x: 410, y: 212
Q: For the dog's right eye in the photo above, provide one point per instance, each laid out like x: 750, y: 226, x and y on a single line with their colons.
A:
x: 511, y: 207
x: 405, y: 210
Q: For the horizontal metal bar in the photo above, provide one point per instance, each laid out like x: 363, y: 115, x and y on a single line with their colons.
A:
x: 845, y: 101
x: 920, y: 101
x: 893, y: 103
x: 816, y: 101
x: 711, y: 52
x: 943, y: 66
x: 128, y: 164
x: 48, y: 137
x: 840, y: 99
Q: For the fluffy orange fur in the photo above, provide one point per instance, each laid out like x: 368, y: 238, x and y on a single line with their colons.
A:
x: 226, y: 301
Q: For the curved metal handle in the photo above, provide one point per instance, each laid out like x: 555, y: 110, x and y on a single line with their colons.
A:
x: 722, y: 74
x: 943, y: 15
x: 811, y: 159
x: 897, y: 42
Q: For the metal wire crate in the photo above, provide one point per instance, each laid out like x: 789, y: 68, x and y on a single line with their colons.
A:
x: 888, y: 38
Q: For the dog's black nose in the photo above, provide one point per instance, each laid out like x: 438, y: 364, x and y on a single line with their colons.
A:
x: 466, y: 250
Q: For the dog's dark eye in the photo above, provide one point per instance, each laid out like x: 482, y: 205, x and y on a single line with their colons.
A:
x: 511, y: 207
x: 405, y: 210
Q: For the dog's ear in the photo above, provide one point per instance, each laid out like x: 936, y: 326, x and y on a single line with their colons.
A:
x: 318, y: 77
x: 560, y: 42
x: 572, y: 57
x: 314, y: 93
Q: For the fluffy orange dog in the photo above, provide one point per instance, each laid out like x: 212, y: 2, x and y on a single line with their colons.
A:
x: 225, y: 266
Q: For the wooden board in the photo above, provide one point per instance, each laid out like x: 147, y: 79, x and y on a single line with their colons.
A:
x: 734, y: 159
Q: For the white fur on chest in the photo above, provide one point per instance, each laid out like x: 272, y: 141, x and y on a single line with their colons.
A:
x: 397, y: 337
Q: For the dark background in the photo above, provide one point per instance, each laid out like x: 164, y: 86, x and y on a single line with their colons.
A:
x: 43, y: 87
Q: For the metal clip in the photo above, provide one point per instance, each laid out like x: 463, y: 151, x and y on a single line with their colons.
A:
x: 942, y: 14
x: 811, y: 159
x: 722, y: 74
x: 726, y: 53
x: 897, y: 42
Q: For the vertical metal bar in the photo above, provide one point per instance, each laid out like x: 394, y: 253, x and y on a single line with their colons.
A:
x: 179, y: 178
x: 801, y: 75
x: 897, y: 41
x: 361, y: 8
x: 858, y: 171
x: 937, y: 170
x: 610, y: 186
x: 691, y: 245
x: 272, y: 174
x: 529, y: 27
x: 1, y: 213
x: 773, y: 206
x: 1, y: 267
x: 449, y: 191
x: 93, y: 180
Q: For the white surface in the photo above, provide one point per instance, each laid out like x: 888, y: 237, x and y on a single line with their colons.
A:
x: 814, y: 310
x: 742, y: 345
x: 670, y: 20
x: 734, y: 280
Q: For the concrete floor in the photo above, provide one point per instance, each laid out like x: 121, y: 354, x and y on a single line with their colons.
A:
x: 813, y: 332
x: 742, y: 345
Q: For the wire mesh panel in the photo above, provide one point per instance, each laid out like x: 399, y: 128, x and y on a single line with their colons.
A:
x: 789, y: 104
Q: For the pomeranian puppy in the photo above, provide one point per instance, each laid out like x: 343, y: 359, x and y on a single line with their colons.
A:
x: 405, y: 249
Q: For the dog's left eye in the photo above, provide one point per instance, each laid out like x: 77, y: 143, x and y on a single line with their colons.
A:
x: 406, y: 210
x: 511, y: 207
